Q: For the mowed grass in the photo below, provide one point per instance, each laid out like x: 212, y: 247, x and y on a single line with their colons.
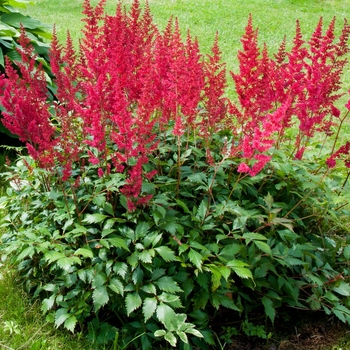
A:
x: 274, y: 18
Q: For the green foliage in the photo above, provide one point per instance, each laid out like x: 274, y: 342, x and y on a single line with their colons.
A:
x: 167, y: 270
x: 11, y: 22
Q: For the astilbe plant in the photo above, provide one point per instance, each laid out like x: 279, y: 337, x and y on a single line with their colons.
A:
x: 143, y: 164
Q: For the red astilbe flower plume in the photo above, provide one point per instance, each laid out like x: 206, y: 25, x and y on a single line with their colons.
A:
x: 214, y: 101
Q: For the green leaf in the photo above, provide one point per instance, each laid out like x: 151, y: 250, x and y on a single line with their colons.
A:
x: 149, y: 307
x: 70, y: 323
x: 116, y: 286
x: 16, y: 19
x: 87, y: 253
x: 165, y: 314
x: 94, y: 218
x: 166, y: 253
x: 170, y: 337
x: 238, y: 267
x: 167, y: 284
x: 118, y: 243
x: 264, y: 247
x: 230, y: 250
x: 195, y: 259
x: 52, y: 256
x: 342, y: 289
x: 251, y: 236
x: 269, y: 310
x: 132, y: 302
x: 100, y: 297
x: 47, y: 304
x: 141, y: 229
x: 202, y: 211
x: 61, y: 316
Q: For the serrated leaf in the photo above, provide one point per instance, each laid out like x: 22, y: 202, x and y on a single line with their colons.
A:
x: 230, y: 250
x: 342, y: 289
x: 132, y: 302
x: 165, y: 314
x: 141, y: 229
x: 195, y: 258
x: 167, y: 284
x: 116, y: 286
x: 145, y: 257
x: 269, y: 310
x: 166, y: 253
x: 100, y: 297
x: 202, y: 211
x: 53, y: 256
x: 61, y: 316
x: 346, y: 252
x: 94, y: 218
x: 120, y: 269
x: 251, y: 236
x: 149, y: 307
x: 87, y: 253
x: 118, y: 243
x: 264, y: 247
x: 70, y: 323
x: 242, y: 272
x: 48, y: 303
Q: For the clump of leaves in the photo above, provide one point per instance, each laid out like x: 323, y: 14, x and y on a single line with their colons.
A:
x: 150, y: 203
x: 11, y: 22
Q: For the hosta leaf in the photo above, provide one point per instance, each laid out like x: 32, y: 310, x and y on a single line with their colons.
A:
x: 100, y: 297
x: 87, y: 253
x: 94, y: 218
x: 70, y: 323
x: 166, y: 253
x: 269, y: 310
x: 149, y: 307
x: 132, y: 302
x: 167, y: 284
x: 195, y: 258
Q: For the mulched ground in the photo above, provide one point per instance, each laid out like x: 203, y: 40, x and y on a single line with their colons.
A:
x: 305, y: 331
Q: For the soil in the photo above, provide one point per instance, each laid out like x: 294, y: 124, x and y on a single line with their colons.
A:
x: 306, y: 331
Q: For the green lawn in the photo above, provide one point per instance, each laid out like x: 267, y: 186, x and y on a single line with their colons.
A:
x: 274, y: 18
